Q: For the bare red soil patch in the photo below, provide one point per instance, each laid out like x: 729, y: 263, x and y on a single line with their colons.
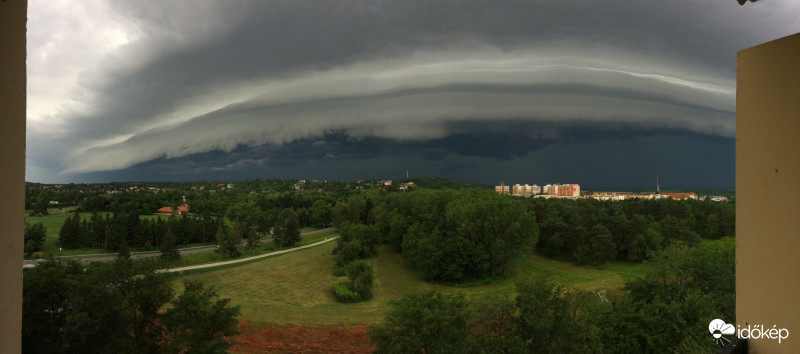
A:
x: 301, y: 340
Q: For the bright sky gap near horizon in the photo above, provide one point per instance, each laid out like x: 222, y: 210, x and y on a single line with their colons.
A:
x: 607, y: 94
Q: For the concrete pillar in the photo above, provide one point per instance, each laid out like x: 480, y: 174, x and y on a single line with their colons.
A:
x: 13, y: 18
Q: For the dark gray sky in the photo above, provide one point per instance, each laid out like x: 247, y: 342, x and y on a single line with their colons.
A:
x: 609, y: 93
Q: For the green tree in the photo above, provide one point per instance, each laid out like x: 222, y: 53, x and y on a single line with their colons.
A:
x: 168, y: 247
x: 359, y: 288
x: 287, y: 228
x: 43, y: 302
x: 200, y: 321
x: 252, y: 238
x: 552, y: 319
x: 34, y: 237
x: 603, y: 248
x: 220, y: 236
x: 233, y: 241
x: 493, y: 322
x: 321, y: 213
x: 428, y: 322
x: 674, y: 229
x: 42, y: 202
x: 683, y: 287
x: 713, y: 226
x: 116, y: 306
x: 124, y: 252
x: 367, y: 236
x: 480, y: 230
x: 69, y: 235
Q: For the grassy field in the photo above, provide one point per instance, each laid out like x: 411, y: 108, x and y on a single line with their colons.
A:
x: 213, y: 257
x: 294, y: 288
x: 53, y: 223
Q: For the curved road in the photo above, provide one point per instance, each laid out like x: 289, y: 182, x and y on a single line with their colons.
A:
x: 30, y: 263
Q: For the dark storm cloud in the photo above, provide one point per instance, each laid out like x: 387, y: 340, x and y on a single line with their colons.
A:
x: 595, y: 161
x: 238, y: 86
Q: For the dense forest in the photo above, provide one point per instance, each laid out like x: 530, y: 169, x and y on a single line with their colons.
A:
x: 453, y: 235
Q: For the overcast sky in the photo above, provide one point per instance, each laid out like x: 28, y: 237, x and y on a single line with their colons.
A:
x: 601, y: 93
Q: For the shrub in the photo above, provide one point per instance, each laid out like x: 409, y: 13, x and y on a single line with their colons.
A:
x: 359, y: 288
x: 343, y: 293
x: 363, y: 285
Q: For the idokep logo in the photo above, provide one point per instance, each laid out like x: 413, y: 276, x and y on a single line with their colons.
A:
x: 718, y: 329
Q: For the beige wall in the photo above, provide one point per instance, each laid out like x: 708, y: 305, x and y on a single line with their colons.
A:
x: 768, y: 191
x: 13, y: 16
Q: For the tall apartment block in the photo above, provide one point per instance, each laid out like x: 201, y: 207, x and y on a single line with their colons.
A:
x: 526, y: 190
x: 502, y: 189
x: 562, y: 190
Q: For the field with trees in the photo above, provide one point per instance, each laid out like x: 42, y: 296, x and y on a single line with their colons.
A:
x: 612, y: 272
x: 298, y: 289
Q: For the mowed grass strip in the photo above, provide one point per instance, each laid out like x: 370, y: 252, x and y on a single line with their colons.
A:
x: 295, y: 288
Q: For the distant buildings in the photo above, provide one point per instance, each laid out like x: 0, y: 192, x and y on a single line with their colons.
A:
x: 502, y: 189
x: 573, y: 191
x: 550, y: 190
x: 651, y: 195
x: 680, y: 196
x: 182, y: 209
x: 562, y: 190
x: 525, y: 190
x: 406, y: 186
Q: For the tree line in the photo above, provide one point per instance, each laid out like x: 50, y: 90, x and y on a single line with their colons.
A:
x: 114, y: 231
x: 122, y: 232
x: 666, y: 310
x: 455, y: 235
x: 588, y: 231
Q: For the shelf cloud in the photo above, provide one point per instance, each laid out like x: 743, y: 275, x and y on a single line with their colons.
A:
x: 287, y: 88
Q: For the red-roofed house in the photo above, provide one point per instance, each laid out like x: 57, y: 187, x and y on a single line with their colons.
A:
x: 680, y: 196
x: 182, y: 209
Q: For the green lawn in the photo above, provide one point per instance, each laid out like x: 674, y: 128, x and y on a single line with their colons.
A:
x: 53, y: 223
x: 294, y: 288
x: 213, y: 257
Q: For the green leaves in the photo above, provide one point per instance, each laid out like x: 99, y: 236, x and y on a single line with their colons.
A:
x: 429, y: 322
x: 116, y: 307
x: 287, y: 228
x: 355, y: 242
x: 465, y: 233
x: 168, y: 247
x: 35, y: 235
x: 199, y: 321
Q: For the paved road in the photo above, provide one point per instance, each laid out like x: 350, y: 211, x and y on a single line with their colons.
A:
x: 180, y: 269
x: 101, y: 257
